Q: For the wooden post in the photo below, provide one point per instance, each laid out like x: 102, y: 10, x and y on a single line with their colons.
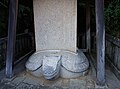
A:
x: 100, y: 38
x: 88, y: 42
x: 13, y: 6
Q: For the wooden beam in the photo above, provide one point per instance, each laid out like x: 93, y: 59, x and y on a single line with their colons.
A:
x: 113, y: 40
x: 88, y: 42
x: 100, y: 39
x: 12, y: 22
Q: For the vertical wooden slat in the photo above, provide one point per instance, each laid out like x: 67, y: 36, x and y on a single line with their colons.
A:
x: 13, y: 6
x: 100, y: 39
x: 88, y: 25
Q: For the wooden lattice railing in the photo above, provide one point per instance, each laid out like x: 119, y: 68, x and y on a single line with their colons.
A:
x: 112, y: 50
x: 24, y: 45
x: 113, y: 53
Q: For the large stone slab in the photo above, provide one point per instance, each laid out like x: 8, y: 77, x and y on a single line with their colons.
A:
x: 55, y: 24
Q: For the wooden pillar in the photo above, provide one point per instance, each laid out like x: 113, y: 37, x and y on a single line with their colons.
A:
x: 88, y: 42
x: 12, y: 22
x: 100, y: 38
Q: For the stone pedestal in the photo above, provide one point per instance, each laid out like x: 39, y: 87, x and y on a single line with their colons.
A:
x: 55, y: 34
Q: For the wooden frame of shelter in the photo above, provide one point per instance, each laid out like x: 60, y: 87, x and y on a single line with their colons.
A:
x: 100, y: 37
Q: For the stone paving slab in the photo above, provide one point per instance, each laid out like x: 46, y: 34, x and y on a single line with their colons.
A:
x: 29, y: 82
x: 6, y: 85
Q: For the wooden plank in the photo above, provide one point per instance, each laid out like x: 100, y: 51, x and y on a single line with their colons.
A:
x: 113, y: 40
x: 100, y: 39
x: 13, y: 6
x: 88, y: 25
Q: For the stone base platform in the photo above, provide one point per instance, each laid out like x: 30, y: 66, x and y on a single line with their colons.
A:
x: 71, y: 65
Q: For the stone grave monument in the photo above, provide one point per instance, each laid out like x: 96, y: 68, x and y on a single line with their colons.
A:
x: 55, y: 34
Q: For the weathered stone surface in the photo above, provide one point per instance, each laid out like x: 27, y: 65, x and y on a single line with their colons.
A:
x: 78, y: 84
x: 70, y: 64
x: 51, y: 66
x: 37, y: 73
x: 68, y: 74
x: 74, y: 62
x: 22, y: 86
x: 18, y: 80
x: 31, y: 81
x: 55, y: 24
x: 35, y: 61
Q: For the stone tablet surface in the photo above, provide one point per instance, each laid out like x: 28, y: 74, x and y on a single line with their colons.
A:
x: 55, y: 24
